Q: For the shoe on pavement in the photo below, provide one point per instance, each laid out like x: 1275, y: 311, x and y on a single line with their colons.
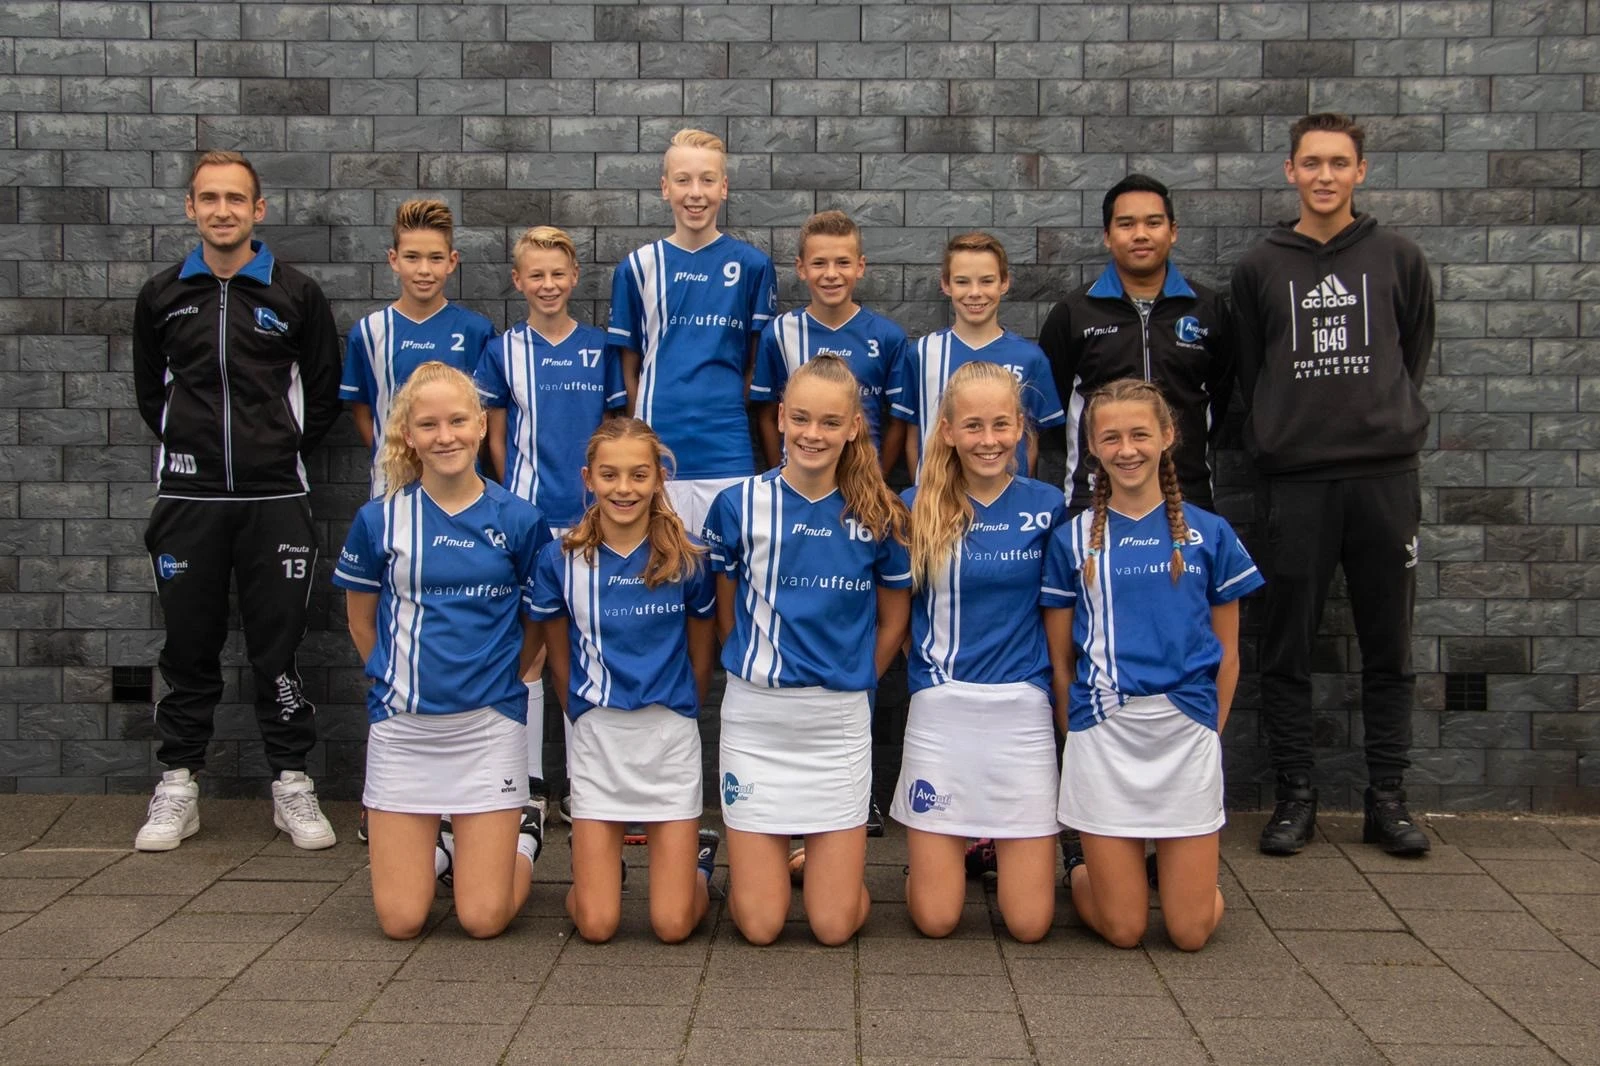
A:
x: 706, y: 860
x: 533, y: 815
x: 444, y: 859
x: 295, y: 811
x: 174, y: 814
x: 980, y: 858
x: 1293, y: 819
x: 1388, y: 824
x: 361, y: 827
x: 1072, y: 853
x: 874, y: 819
x: 563, y: 810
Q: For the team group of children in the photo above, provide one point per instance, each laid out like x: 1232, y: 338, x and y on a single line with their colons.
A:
x: 617, y: 522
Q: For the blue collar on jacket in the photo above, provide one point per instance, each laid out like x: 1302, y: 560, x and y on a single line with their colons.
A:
x: 1109, y: 285
x: 258, y: 269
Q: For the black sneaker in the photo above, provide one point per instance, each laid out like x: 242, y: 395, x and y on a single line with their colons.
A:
x: 1152, y: 874
x: 1293, y: 819
x: 532, y: 826
x: 1388, y: 824
x: 361, y: 827
x: 980, y: 858
x: 1072, y: 852
x: 447, y: 844
x: 706, y: 861
x: 874, y: 820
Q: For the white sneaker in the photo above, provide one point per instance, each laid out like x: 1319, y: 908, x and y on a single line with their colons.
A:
x: 174, y: 814
x: 295, y: 811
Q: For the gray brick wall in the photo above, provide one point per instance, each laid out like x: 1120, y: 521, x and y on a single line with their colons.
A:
x: 917, y: 118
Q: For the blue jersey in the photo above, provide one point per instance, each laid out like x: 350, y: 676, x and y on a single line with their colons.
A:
x: 630, y: 643
x: 555, y: 397
x: 449, y: 590
x: 1135, y: 632
x: 873, y: 346
x: 807, y: 608
x: 977, y: 617
x: 690, y: 316
x: 386, y: 347
x: 934, y: 358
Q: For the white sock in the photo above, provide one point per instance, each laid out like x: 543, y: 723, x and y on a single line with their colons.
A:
x: 536, y: 729
x: 441, y: 861
x: 526, y: 846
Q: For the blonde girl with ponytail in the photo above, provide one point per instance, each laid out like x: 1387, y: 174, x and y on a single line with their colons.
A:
x: 1142, y: 619
x: 979, y: 758
x: 812, y: 606
x: 627, y: 604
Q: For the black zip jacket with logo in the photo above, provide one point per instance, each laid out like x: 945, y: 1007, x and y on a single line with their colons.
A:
x: 238, y: 376
x: 1096, y: 335
x: 1334, y: 341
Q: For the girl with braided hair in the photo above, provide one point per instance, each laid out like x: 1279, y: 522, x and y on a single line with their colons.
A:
x: 1142, y: 620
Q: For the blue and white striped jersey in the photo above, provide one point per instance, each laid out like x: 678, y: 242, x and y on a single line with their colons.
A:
x: 451, y: 588
x: 934, y: 358
x: 690, y: 316
x: 1135, y: 632
x: 977, y: 617
x: 386, y: 347
x: 808, y: 576
x: 630, y: 643
x: 872, y: 345
x: 555, y: 396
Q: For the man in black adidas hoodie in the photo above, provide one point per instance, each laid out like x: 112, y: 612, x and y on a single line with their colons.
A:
x: 1334, y: 319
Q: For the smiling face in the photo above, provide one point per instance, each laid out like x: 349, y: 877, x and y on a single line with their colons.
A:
x: 623, y: 476
x: 831, y: 267
x: 1141, y: 235
x: 224, y: 205
x: 975, y: 284
x: 546, y: 278
x: 818, y: 419
x: 1325, y: 169
x: 985, y: 426
x: 445, y: 427
x: 422, y: 260
x: 1126, y: 436
x: 694, y: 182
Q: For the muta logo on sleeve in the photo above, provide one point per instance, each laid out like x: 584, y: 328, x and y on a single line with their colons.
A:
x: 267, y: 321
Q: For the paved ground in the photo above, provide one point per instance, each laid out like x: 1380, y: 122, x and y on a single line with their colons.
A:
x: 238, y: 949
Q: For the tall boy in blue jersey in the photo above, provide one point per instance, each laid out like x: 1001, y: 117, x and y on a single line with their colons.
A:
x: 976, y: 275
x: 236, y: 369
x: 422, y: 324
x: 1141, y: 318
x: 830, y: 262
x: 685, y: 314
x: 547, y: 383
x: 1334, y: 318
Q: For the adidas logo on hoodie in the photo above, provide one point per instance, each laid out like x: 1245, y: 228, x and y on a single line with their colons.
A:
x: 1329, y: 293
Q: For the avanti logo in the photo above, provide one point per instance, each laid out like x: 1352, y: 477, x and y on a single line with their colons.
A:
x: 267, y: 321
x: 923, y: 797
x: 1189, y: 329
x: 168, y: 567
x: 733, y: 791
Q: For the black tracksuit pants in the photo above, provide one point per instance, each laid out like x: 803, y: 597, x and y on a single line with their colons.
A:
x: 270, y: 549
x: 1369, y: 526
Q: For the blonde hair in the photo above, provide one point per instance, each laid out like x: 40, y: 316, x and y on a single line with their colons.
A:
x: 976, y: 242
x: 673, y: 556
x: 424, y: 215
x: 544, y: 238
x: 941, y: 512
x: 866, y: 495
x: 693, y: 138
x: 1132, y: 390
x: 400, y: 463
x: 222, y: 158
x: 828, y: 224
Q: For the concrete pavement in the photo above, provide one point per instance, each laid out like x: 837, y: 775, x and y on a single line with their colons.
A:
x: 239, y: 949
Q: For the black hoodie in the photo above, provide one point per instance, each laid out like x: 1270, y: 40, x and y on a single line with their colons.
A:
x: 1332, y: 342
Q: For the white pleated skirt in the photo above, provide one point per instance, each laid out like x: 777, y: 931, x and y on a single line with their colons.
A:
x: 635, y: 766
x: 463, y: 763
x: 979, y: 761
x: 1149, y: 771
x: 794, y: 760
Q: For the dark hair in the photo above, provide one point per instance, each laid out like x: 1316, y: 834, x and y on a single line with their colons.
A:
x: 1136, y: 183
x: 1327, y: 122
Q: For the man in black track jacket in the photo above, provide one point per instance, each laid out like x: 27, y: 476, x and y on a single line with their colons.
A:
x: 1142, y: 319
x: 1334, y: 321
x: 236, y: 369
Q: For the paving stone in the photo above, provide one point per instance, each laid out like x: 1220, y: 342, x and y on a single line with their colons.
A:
x: 1500, y: 966
x: 41, y: 977
x: 33, y: 894
x: 1437, y: 1055
x: 466, y: 1002
x: 306, y: 980
x: 1505, y: 930
x: 1564, y: 914
x: 86, y: 926
x: 256, y: 897
x: 557, y: 1028
x: 161, y: 958
x: 1469, y: 1021
x: 1240, y: 1040
x: 581, y: 985
x: 922, y: 956
x: 1444, y: 858
x: 1103, y: 1017
x: 1130, y: 1052
x: 757, y: 967
x: 366, y: 1044
x: 708, y: 1047
x: 47, y: 862
x: 1498, y: 832
x: 777, y: 1008
x: 1325, y: 910
x: 1426, y: 983
x: 1525, y: 875
x: 142, y: 874
x: 222, y: 928
x: 1382, y: 949
x: 920, y: 1033
x: 1289, y: 996
x: 1443, y: 892
x: 963, y: 993
x: 1324, y: 873
x: 278, y: 1019
x: 180, y: 1053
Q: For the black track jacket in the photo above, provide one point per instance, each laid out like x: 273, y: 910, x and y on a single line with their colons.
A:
x: 238, y: 376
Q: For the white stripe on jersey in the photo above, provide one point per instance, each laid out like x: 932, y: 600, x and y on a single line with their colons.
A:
x: 403, y: 533
x: 377, y: 334
x: 1235, y: 579
x: 794, y: 339
x: 1100, y: 644
x: 1075, y: 406
x: 943, y: 642
x: 583, y: 593
x: 935, y: 362
x: 763, y: 506
x: 521, y: 381
x: 649, y: 267
x: 297, y: 407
